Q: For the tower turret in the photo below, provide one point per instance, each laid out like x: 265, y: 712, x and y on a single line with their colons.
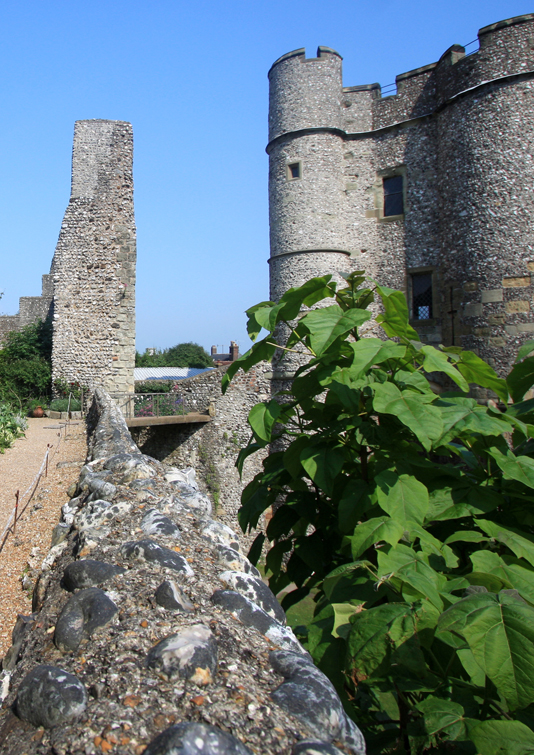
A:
x: 306, y: 169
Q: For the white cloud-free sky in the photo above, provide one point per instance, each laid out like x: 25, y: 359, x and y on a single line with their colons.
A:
x: 192, y: 79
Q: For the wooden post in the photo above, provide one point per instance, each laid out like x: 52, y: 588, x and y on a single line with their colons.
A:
x: 16, y: 510
x: 47, y: 452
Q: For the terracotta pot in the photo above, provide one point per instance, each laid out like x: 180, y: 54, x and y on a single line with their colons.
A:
x: 38, y: 411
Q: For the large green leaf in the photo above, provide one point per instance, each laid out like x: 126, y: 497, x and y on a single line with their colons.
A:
x: 395, y: 319
x: 342, y: 615
x: 353, y: 503
x: 521, y: 378
x: 407, y: 565
x: 403, y: 497
x: 438, y: 361
x: 519, y: 543
x: 323, y: 464
x: 502, y: 738
x: 514, y: 572
x: 442, y: 717
x: 306, y: 295
x: 373, y: 531
x: 262, y: 417
x: 433, y: 548
x: 466, y: 536
x: 526, y: 349
x: 253, y: 326
x: 370, y: 351
x: 327, y: 324
x: 405, y: 378
x: 375, y: 634
x: 452, y: 411
x: 262, y: 351
x: 412, y: 409
x: 499, y: 630
x: 476, y: 370
x: 267, y: 316
x: 520, y: 468
x: 244, y: 453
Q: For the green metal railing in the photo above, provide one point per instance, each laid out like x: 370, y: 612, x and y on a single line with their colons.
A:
x: 150, y: 404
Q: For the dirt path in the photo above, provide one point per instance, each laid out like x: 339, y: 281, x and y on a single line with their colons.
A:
x: 19, y: 467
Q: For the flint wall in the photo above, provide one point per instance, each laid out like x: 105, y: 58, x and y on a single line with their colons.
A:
x: 212, y: 448
x: 152, y: 633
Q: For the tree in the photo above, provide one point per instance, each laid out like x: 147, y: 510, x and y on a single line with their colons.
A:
x: 26, y: 363
x: 182, y: 355
x: 406, y: 514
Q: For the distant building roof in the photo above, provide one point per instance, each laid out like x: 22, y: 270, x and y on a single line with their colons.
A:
x: 167, y: 373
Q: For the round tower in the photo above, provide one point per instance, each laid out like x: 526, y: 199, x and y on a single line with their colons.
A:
x: 485, y: 177
x: 306, y: 169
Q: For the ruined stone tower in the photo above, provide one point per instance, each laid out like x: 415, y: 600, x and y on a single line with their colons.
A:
x: 93, y: 268
x: 428, y: 189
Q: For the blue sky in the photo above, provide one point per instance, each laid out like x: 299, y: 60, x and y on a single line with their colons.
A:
x: 192, y: 79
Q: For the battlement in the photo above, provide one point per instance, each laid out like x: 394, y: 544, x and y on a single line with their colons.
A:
x: 304, y: 97
x: 322, y: 52
x: 514, y: 21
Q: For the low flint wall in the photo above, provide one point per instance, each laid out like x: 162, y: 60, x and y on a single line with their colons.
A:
x: 151, y: 632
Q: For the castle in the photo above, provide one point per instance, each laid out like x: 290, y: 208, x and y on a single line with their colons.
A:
x: 428, y: 190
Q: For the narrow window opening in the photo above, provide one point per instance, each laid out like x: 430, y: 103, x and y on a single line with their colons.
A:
x: 422, y: 296
x: 393, y: 196
x: 293, y: 170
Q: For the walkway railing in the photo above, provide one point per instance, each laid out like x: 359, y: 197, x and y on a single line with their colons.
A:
x: 134, y: 405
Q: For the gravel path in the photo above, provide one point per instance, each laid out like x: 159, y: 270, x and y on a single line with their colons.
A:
x: 19, y: 467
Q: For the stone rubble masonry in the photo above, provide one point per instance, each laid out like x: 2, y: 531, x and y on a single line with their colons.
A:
x: 212, y: 447
x: 459, y: 131
x: 94, y: 264
x: 112, y: 667
x: 90, y: 291
x: 31, y: 309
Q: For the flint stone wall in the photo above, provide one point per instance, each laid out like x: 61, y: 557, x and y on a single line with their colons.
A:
x: 152, y: 633
x: 94, y: 262
x: 31, y: 309
x: 212, y: 448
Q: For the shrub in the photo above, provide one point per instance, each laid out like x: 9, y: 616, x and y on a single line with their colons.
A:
x: 12, y: 427
x: 407, y: 514
x: 25, y: 364
x: 62, y: 405
x: 153, y: 386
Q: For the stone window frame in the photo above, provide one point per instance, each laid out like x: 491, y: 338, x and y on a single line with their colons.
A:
x: 411, y: 271
x: 289, y: 175
x: 398, y: 170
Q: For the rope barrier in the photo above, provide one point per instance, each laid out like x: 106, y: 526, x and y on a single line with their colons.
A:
x: 14, y: 515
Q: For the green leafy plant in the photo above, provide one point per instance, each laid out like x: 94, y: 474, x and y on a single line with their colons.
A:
x: 64, y: 388
x: 153, y: 386
x: 12, y: 426
x: 64, y: 405
x: 25, y: 364
x: 406, y: 513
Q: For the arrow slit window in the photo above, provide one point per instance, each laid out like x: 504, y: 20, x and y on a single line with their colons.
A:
x: 422, y: 296
x: 393, y: 196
